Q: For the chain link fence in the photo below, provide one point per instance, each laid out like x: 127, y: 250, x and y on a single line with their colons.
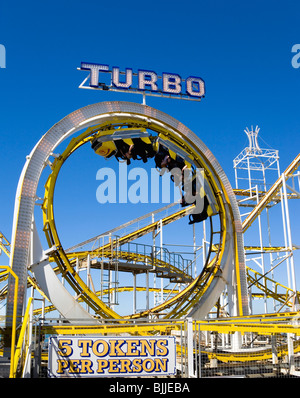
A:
x: 203, y: 349
x: 205, y: 352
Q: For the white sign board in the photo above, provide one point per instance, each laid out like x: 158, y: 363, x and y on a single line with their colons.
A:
x: 91, y: 356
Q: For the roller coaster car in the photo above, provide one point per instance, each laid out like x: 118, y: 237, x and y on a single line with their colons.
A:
x: 164, y: 159
x: 131, y: 148
x: 198, y: 217
x: 142, y: 149
x: 106, y: 149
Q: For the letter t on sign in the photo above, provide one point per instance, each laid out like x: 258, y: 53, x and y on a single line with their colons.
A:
x: 94, y: 70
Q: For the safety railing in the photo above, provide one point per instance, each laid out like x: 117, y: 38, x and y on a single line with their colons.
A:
x: 224, y: 347
x: 283, y: 295
x: 266, y: 346
x: 14, y: 318
x: 159, y: 254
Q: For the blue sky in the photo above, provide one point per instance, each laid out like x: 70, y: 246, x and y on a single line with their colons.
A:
x: 241, y: 49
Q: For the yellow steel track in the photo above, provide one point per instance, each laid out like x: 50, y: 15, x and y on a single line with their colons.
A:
x: 272, y: 193
x: 4, y: 244
x: 182, y: 302
x: 253, y: 277
x: 179, y: 302
x: 159, y: 265
x: 269, y: 324
x: 263, y: 324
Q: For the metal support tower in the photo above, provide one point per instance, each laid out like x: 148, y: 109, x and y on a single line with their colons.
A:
x: 256, y: 169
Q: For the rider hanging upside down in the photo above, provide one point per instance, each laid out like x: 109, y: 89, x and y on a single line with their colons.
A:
x: 139, y: 148
x: 190, y: 191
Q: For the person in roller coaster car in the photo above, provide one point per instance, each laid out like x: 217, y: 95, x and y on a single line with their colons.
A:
x: 189, y: 190
x: 138, y: 150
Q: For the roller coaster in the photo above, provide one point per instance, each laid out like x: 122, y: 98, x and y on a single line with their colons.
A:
x: 189, y: 290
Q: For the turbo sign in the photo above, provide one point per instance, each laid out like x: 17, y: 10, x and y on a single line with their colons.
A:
x: 143, y: 81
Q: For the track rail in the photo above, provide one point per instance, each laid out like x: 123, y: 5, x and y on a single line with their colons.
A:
x: 4, y: 244
x: 191, y: 294
x: 217, y: 273
x: 270, y: 194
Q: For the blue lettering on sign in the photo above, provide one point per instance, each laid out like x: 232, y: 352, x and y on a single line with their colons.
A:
x: 147, y: 81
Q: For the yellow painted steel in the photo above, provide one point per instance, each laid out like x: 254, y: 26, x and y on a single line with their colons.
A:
x: 249, y: 194
x: 21, y: 340
x: 268, y: 249
x: 3, y: 275
x: 253, y: 278
x: 14, y: 320
x: 260, y: 281
x: 4, y: 244
x: 263, y: 324
x: 158, y: 263
x: 270, y: 324
x: 196, y: 288
x: 253, y: 356
x: 30, y: 282
x: 181, y: 302
x: 119, y: 289
x: 145, y: 230
x: 232, y: 325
